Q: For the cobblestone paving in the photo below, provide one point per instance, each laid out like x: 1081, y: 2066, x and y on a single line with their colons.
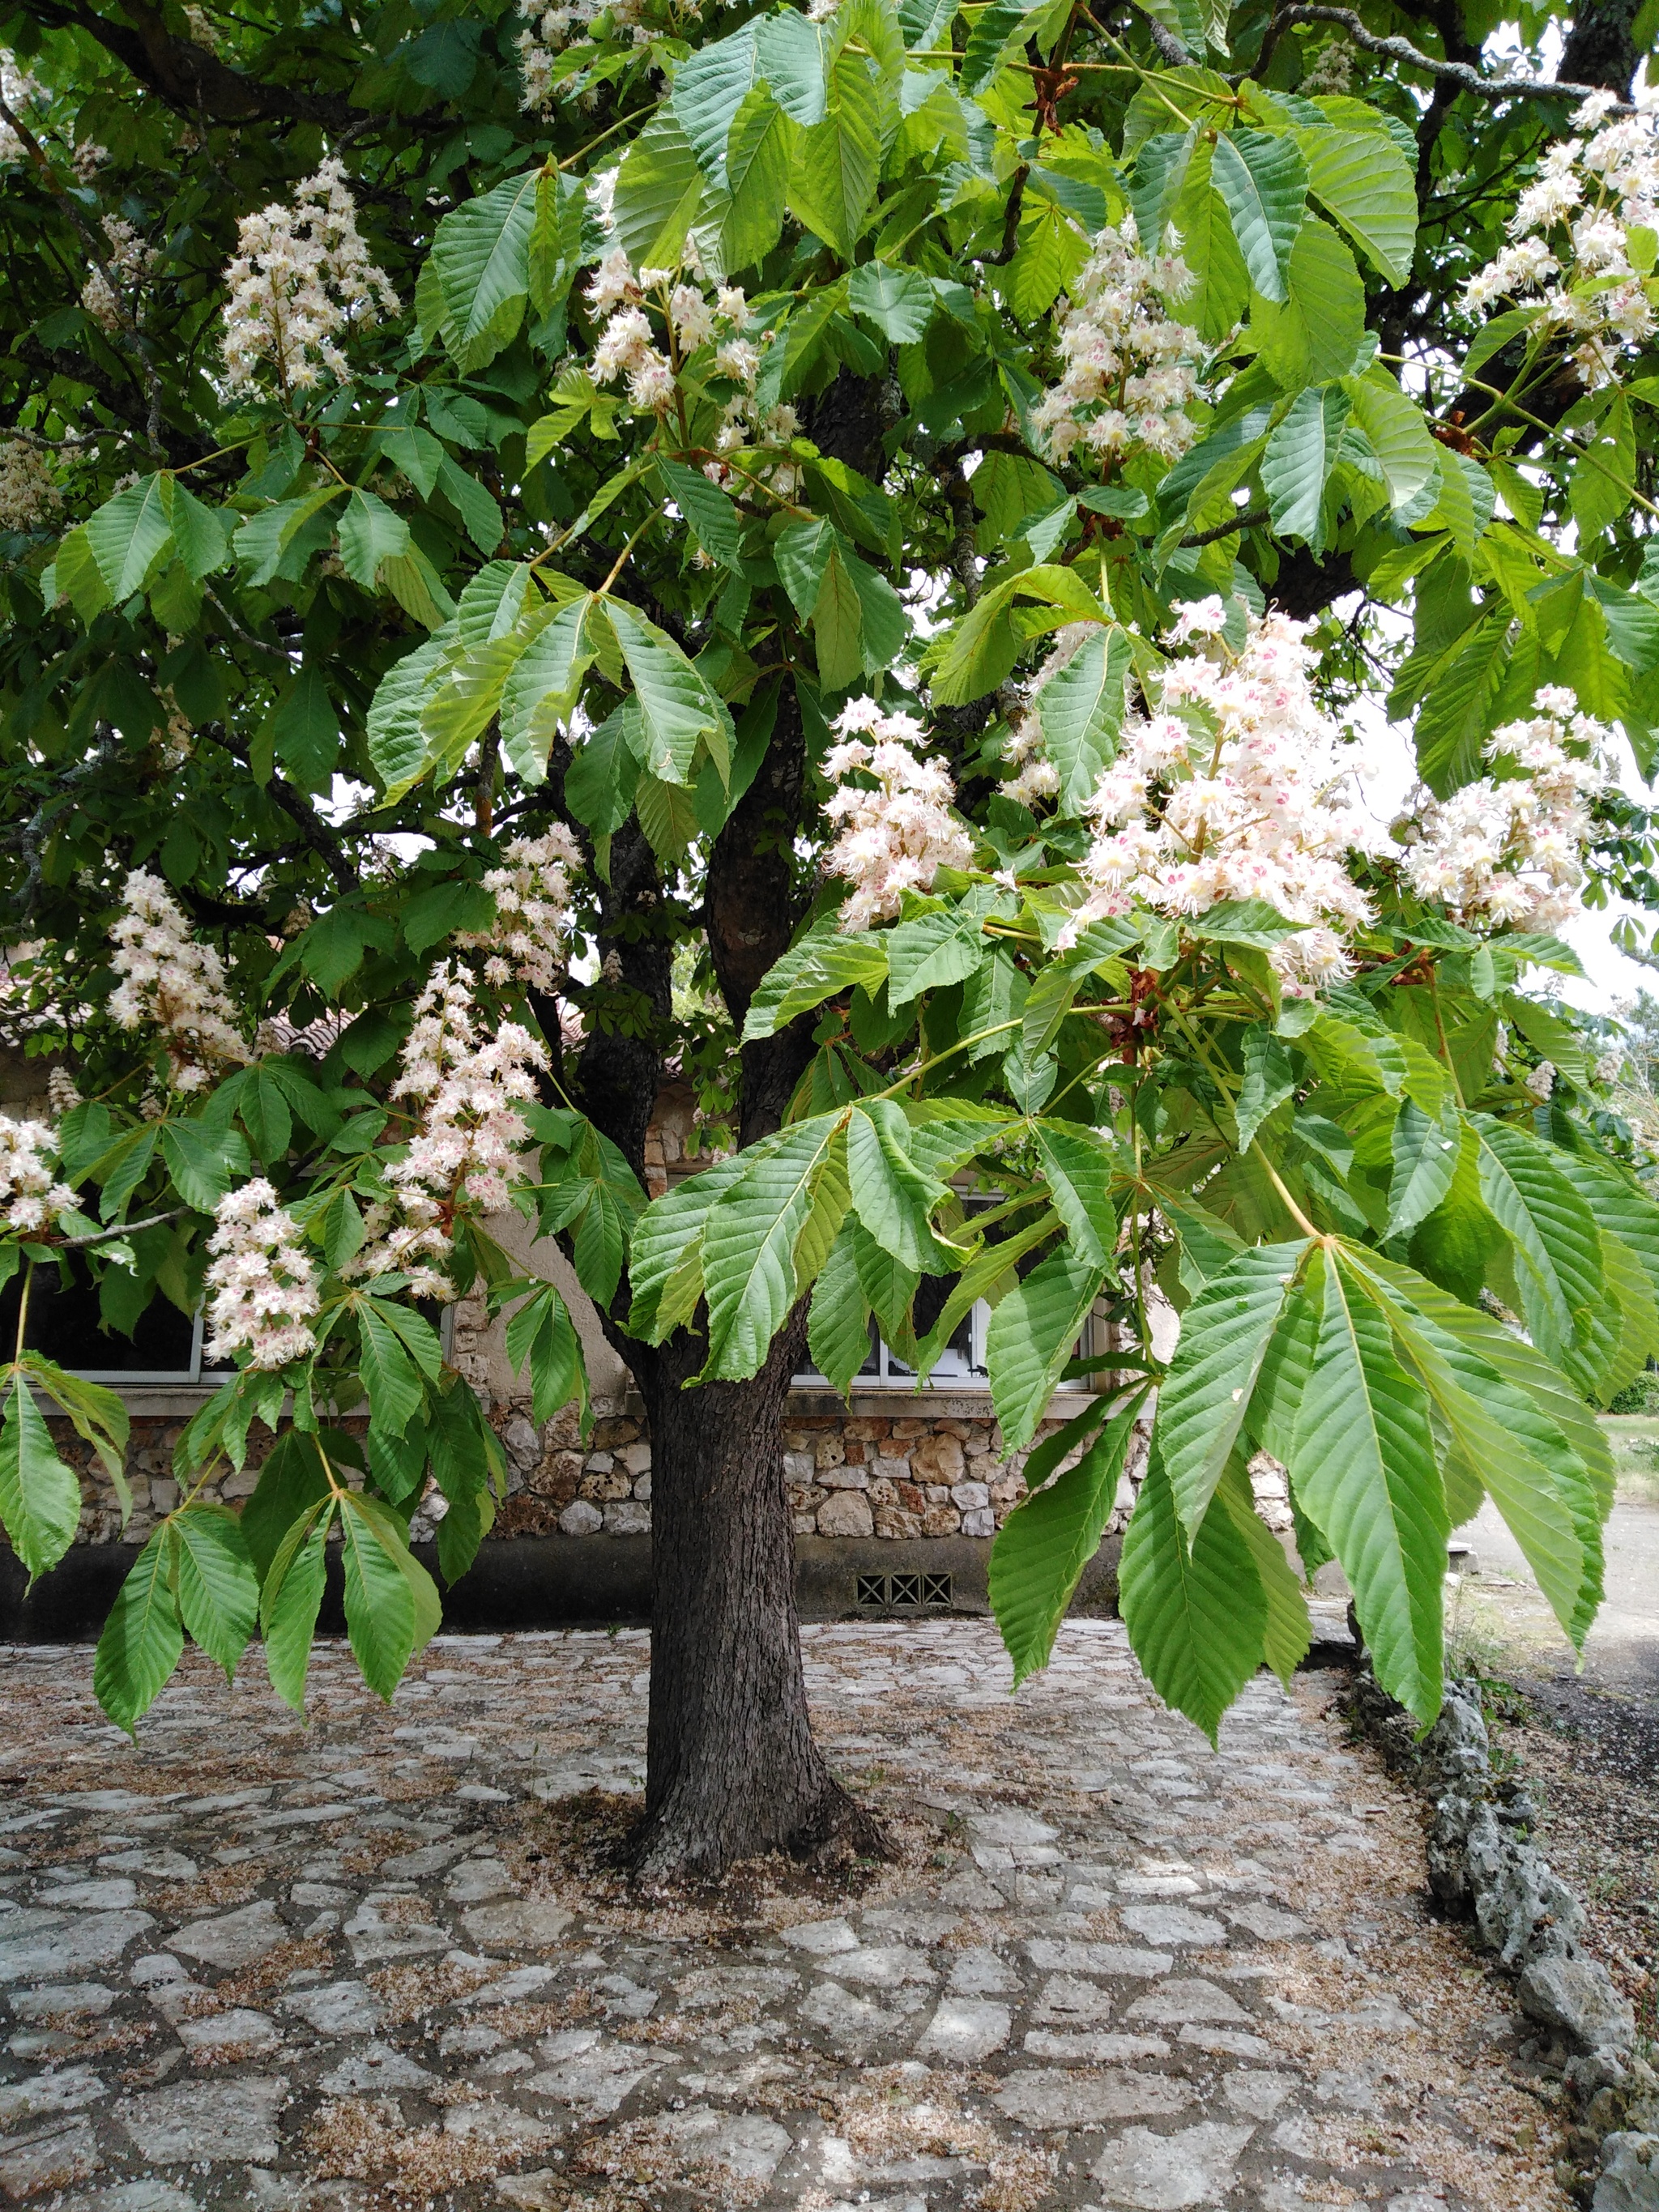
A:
x: 380, y: 1961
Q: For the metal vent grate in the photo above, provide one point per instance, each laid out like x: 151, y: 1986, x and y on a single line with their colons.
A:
x: 904, y: 1593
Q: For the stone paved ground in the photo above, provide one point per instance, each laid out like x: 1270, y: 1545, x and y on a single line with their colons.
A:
x: 381, y: 1962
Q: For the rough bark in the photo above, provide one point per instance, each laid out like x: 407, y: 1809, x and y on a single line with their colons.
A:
x: 732, y: 1769
x: 1600, y: 45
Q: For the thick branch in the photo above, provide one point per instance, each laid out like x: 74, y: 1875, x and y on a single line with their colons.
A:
x: 187, y: 77
x: 1463, y: 73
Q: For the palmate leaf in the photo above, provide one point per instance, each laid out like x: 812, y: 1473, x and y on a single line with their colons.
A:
x: 838, y: 1326
x: 1505, y: 1440
x: 1264, y: 181
x: 291, y: 1600
x: 39, y: 1497
x: 392, y: 1604
x: 1205, y: 1397
x: 1362, y: 178
x: 1081, y: 1166
x: 1287, y: 1631
x: 481, y: 257
x: 665, y: 1258
x: 791, y: 1188
x: 678, y: 705
x: 1081, y: 712
x: 1043, y: 1547
x: 1031, y: 1337
x: 1362, y: 1463
x: 1425, y: 1153
x: 817, y: 966
x: 892, y: 1196
x: 218, y: 1591
x: 1553, y: 1237
x: 1300, y: 456
x: 142, y: 1641
x: 1196, y: 1613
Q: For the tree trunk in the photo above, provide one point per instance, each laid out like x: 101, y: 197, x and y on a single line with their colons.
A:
x: 732, y: 1769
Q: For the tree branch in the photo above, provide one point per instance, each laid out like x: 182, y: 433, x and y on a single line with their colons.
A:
x: 188, y: 77
x: 1401, y: 50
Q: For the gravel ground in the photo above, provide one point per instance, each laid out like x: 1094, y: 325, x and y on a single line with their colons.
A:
x: 385, y: 1961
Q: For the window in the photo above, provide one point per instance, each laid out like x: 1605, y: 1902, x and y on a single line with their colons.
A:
x: 961, y: 1366
x: 65, y: 1324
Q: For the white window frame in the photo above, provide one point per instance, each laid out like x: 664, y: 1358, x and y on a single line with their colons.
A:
x: 978, y: 1376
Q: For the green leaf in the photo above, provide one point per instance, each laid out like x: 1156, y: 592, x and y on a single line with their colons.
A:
x: 718, y: 525
x: 542, y: 1336
x: 1425, y: 1150
x: 819, y: 965
x: 1264, y: 181
x: 1362, y: 1463
x: 900, y: 302
x: 129, y: 534
x: 984, y: 646
x: 39, y: 1497
x: 389, y: 1374
x: 392, y: 1604
x: 792, y: 1190
x: 540, y: 693
x: 838, y: 1327
x: 668, y: 815
x: 1503, y: 1437
x: 481, y: 253
x: 1300, y: 456
x: 370, y: 532
x: 141, y: 1642
x: 678, y: 705
x: 291, y: 1602
x: 1030, y: 1341
x: 218, y: 1589
x: 1288, y: 1632
x: 1362, y: 180
x: 291, y: 1482
x: 1555, y: 1239
x: 303, y: 729
x: 204, y: 1161
x: 1269, y: 1080
x: 710, y: 86
x: 1081, y: 713
x: 998, y: 30
x: 665, y: 1259
x: 658, y: 188
x: 1315, y: 334
x: 1397, y: 433
x: 1196, y: 1615
x: 832, y: 181
x: 892, y: 1196
x: 931, y: 950
x: 480, y: 516
x: 1206, y: 1396
x: 1041, y: 1549
x: 200, y: 534
x: 759, y: 155
x: 1456, y: 717
x: 1080, y: 1165
x: 791, y: 60
x: 396, y: 745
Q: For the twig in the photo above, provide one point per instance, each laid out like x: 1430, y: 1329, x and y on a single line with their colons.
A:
x: 121, y: 1229
x: 1401, y: 50
x: 1251, y: 519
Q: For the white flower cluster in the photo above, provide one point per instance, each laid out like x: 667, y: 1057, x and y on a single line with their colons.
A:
x: 1234, y: 790
x: 171, y: 983
x: 19, y: 90
x: 1590, y: 193
x: 627, y: 345
x: 895, y: 836
x: 1129, y: 365
x: 528, y: 940
x: 549, y: 30
x: 29, y: 498
x: 263, y: 1281
x: 31, y: 1197
x: 1509, y: 849
x: 466, y: 1150
x: 128, y: 260
x: 301, y: 278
